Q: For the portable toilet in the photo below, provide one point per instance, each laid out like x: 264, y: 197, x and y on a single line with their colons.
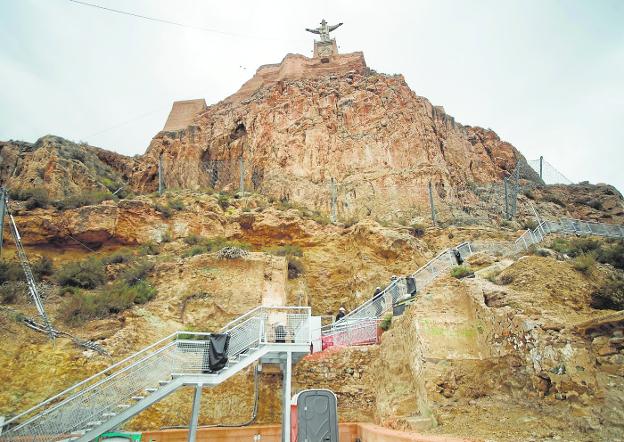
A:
x: 314, y: 416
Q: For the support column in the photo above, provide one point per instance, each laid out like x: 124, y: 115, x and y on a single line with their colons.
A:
x: 541, y: 166
x: 286, y: 400
x: 195, y: 414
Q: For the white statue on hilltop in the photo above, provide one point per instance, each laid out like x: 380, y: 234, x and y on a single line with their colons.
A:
x: 324, y: 30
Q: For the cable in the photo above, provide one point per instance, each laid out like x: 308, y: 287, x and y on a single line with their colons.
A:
x: 169, y: 22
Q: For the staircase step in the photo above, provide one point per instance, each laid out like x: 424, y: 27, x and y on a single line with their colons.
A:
x: 123, y: 406
x: 162, y: 383
x: 109, y: 414
x: 137, y: 398
x: 94, y: 423
x: 151, y: 389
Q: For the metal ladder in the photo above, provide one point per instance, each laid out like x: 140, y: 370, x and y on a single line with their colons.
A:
x: 23, y: 259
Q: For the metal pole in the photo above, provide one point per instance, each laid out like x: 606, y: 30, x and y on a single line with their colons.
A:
x: 3, y: 200
x: 333, y: 201
x: 195, y: 413
x: 287, y: 393
x: 506, y: 198
x: 242, y: 175
x: 161, y: 181
x: 541, y: 166
x: 433, y: 213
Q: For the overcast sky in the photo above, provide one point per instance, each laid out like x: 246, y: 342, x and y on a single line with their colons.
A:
x: 547, y: 76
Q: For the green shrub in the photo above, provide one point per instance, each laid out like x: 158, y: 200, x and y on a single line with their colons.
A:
x: 9, y: 292
x: 385, y: 323
x: 417, y: 230
x: 287, y: 250
x: 37, y: 198
x: 118, y: 257
x: 149, y: 248
x: 295, y: 267
x: 612, y: 254
x: 193, y: 239
x: 83, y: 306
x: 529, y: 224
x: 584, y: 263
x: 38, y: 195
x: 176, y: 204
x: 580, y: 246
x: 195, y: 250
x: 87, y: 274
x: 554, y: 199
x: 529, y: 194
x: 609, y: 296
x: 136, y: 273
x: 223, y: 200
x: 164, y: 210
x: 166, y: 237
x: 11, y: 271
x: 85, y: 199
x: 461, y: 272
x: 42, y: 267
x: 505, y: 279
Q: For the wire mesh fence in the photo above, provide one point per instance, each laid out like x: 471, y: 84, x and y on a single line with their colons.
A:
x: 547, y: 172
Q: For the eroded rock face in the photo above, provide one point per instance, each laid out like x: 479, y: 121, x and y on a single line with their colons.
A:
x: 297, y: 126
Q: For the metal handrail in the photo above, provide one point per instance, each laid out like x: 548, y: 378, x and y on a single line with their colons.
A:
x: 444, y: 257
x: 148, y: 353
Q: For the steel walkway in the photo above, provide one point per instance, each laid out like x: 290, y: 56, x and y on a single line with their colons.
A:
x: 107, y: 399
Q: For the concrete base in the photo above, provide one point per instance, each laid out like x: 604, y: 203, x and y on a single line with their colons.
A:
x: 349, y: 432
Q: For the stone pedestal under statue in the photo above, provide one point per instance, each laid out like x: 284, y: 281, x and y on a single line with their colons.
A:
x: 325, y: 49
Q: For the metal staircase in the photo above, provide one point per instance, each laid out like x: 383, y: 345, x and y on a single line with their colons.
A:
x: 107, y: 399
x: 359, y: 327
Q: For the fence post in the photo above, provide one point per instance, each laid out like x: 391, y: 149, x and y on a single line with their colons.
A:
x: 3, y: 200
x: 541, y: 160
x: 433, y: 213
x: 242, y: 175
x: 506, y: 185
x: 161, y: 178
x: 333, y: 217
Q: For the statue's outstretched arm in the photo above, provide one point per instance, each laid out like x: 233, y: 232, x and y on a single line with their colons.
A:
x: 331, y: 28
x: 314, y: 31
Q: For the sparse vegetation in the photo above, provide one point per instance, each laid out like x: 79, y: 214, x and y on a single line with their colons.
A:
x: 505, y: 279
x: 10, y: 271
x: 118, y: 257
x: 554, y: 199
x: 417, y: 230
x: 386, y: 322
x: 84, y: 199
x: 287, y: 250
x: 610, y: 295
x: 82, y: 306
x: 223, y: 200
x: 165, y: 211
x: 584, y: 263
x: 87, y: 274
x: 166, y: 237
x: 461, y: 272
x: 176, y: 204
x: 149, y: 248
x: 529, y: 224
x: 9, y: 291
x: 34, y: 197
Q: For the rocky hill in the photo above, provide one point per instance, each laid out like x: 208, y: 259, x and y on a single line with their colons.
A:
x: 531, y: 348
